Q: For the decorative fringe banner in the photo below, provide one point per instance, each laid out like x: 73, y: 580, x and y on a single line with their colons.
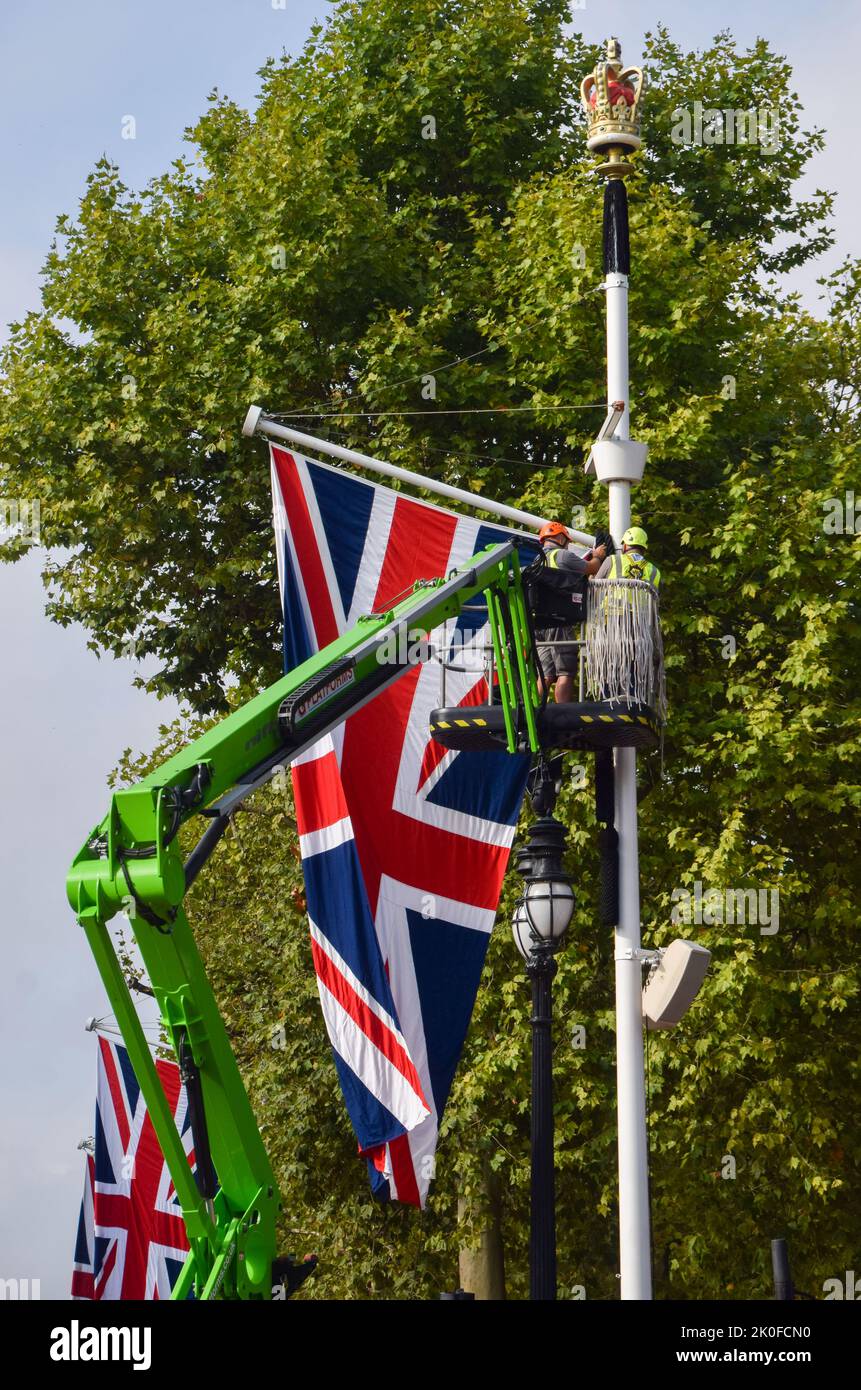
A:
x: 624, y: 652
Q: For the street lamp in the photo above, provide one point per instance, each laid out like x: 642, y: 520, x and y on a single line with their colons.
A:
x: 540, y: 922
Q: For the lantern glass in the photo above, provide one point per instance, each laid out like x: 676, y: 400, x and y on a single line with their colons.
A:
x: 524, y: 937
x: 549, y: 907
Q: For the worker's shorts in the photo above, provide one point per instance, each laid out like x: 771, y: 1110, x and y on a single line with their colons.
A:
x: 556, y: 661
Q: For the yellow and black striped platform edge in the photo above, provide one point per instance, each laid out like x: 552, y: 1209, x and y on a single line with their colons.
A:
x: 597, y: 728
x: 475, y: 721
x: 620, y: 719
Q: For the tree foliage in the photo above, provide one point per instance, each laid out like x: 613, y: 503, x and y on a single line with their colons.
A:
x: 322, y: 255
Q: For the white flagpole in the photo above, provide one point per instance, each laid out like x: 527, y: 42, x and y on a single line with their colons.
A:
x: 256, y: 422
x: 613, y: 129
x: 634, y: 1233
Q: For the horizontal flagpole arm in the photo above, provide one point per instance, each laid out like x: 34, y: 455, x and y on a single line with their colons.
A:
x: 256, y: 422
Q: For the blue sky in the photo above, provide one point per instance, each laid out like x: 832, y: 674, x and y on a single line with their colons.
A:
x: 72, y: 73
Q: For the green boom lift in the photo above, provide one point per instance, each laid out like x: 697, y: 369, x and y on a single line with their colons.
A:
x: 131, y: 863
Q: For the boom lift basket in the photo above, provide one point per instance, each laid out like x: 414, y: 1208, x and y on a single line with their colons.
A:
x: 622, y: 697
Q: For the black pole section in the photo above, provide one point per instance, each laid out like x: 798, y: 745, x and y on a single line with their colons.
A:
x: 783, y: 1289
x: 541, y: 967
x: 608, y: 882
x: 608, y: 838
x: 605, y: 786
x: 617, y: 245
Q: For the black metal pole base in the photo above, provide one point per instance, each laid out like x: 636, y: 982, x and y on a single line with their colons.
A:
x: 541, y: 967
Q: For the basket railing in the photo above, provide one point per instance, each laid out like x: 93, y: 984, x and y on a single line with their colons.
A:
x: 621, y: 654
x: 623, y: 651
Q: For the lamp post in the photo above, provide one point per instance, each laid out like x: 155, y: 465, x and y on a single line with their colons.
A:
x: 540, y: 922
x: 612, y: 100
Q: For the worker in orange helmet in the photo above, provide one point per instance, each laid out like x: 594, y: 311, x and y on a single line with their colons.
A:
x: 559, y: 664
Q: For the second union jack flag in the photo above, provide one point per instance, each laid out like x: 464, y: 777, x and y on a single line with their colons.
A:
x: 131, y: 1241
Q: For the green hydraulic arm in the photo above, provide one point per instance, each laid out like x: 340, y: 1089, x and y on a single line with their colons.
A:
x: 131, y: 863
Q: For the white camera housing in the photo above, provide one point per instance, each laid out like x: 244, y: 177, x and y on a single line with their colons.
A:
x: 674, y: 986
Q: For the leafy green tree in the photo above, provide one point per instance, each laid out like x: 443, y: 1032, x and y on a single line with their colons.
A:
x: 313, y: 258
x: 412, y: 190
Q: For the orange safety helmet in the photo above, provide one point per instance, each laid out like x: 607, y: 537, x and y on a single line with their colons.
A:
x: 550, y: 530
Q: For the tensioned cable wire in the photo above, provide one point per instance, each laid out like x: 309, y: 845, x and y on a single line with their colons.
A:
x: 450, y: 449
x: 112, y: 1019
x: 473, y: 410
x: 468, y: 457
x: 335, y: 416
x: 469, y: 410
x: 462, y: 457
x: 112, y: 1029
x: 488, y: 458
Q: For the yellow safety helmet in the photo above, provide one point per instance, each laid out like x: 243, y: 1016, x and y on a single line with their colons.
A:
x: 636, y: 536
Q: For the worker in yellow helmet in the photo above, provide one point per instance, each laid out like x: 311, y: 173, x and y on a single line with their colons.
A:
x: 632, y: 562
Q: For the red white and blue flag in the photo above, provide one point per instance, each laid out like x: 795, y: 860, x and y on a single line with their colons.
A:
x: 404, y: 843
x: 131, y: 1241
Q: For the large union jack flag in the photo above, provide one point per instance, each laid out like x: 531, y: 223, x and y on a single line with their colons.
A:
x: 131, y: 1241
x: 404, y: 844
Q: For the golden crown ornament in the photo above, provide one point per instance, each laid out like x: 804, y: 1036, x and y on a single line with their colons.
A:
x: 611, y: 99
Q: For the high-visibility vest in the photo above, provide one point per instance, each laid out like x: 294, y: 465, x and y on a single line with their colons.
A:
x: 632, y: 564
x: 567, y: 578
